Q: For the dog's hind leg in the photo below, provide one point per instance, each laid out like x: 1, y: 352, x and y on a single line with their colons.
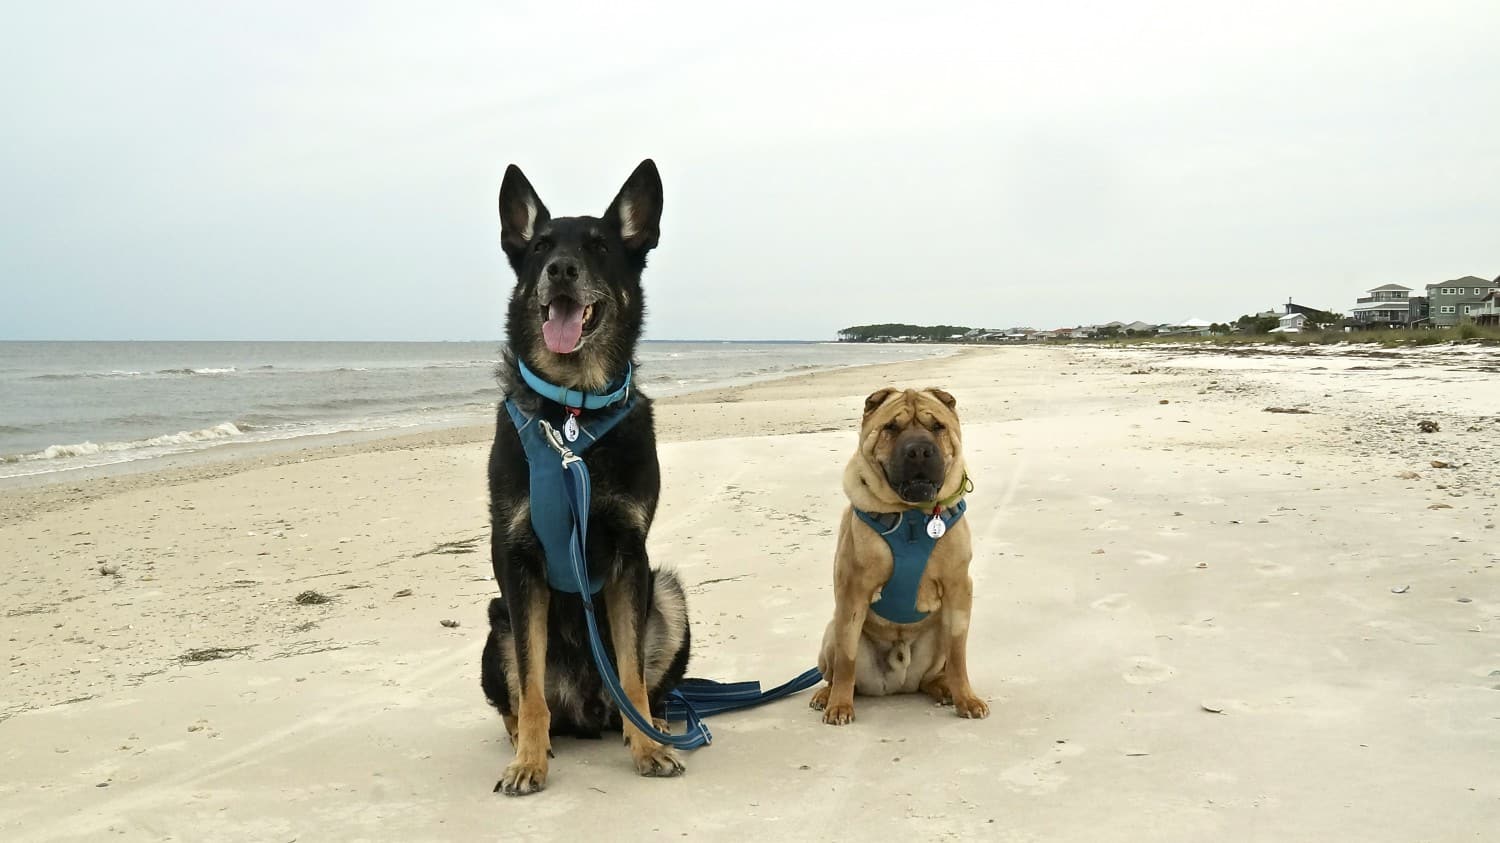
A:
x: 668, y: 643
x: 626, y: 598
x: 929, y: 664
x: 528, y: 614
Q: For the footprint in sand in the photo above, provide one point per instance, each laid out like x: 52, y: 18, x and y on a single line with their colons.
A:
x: 1274, y: 569
x: 1041, y: 775
x: 1111, y: 602
x: 1145, y: 670
x: 1148, y: 557
x: 1202, y: 626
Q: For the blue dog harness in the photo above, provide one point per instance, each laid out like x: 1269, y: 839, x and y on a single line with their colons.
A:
x: 560, y: 497
x: 551, y: 518
x: 911, y: 544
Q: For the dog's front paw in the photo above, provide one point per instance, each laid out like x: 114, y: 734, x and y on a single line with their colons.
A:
x: 971, y: 707
x: 819, y: 699
x: 522, y: 778
x: 658, y: 761
x: 838, y: 713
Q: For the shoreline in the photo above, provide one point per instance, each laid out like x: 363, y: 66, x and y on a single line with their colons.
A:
x: 24, y: 496
x: 453, y: 418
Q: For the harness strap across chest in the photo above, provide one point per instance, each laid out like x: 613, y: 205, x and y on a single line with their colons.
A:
x: 905, y: 533
x: 551, y: 518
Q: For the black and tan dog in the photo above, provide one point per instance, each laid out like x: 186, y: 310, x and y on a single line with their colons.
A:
x: 908, y: 472
x: 575, y: 317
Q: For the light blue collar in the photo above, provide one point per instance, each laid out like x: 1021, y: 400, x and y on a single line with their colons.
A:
x: 576, y: 398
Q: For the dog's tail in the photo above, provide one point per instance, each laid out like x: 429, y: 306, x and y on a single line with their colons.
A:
x: 668, y: 614
x: 499, y: 616
x: 668, y: 639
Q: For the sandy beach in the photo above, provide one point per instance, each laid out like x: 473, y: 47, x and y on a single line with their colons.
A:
x: 1194, y: 620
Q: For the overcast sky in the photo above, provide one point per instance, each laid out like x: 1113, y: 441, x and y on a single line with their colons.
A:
x: 329, y: 171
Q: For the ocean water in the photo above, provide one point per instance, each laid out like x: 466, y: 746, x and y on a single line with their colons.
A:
x: 70, y: 405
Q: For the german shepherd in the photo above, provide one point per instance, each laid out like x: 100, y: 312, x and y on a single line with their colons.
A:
x: 574, y: 319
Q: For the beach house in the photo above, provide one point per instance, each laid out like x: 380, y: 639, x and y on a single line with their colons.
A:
x: 1194, y: 327
x: 1488, y: 311
x: 1389, y: 306
x: 1452, y: 302
x: 1290, y: 323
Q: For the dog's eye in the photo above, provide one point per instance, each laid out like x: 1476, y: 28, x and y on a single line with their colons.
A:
x: 938, y: 427
x: 892, y: 427
x: 597, y: 244
x: 542, y: 244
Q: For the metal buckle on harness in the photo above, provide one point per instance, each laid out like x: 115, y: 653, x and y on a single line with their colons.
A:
x: 555, y: 440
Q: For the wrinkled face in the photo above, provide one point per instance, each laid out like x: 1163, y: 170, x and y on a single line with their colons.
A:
x: 577, y: 304
x: 913, y: 436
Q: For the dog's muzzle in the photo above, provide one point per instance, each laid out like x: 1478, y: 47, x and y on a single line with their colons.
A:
x: 917, y: 469
x: 568, y: 303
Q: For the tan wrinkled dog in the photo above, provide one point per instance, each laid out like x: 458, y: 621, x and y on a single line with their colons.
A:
x: 910, y: 456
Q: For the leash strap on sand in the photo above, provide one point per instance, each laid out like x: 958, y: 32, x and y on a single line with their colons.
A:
x: 693, y: 699
x: 576, y: 473
x: 705, y: 697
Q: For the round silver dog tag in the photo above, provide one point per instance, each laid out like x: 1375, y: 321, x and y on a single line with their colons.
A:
x: 936, y: 528
x: 570, y: 429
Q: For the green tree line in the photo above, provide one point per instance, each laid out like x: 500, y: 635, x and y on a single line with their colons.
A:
x: 865, y: 333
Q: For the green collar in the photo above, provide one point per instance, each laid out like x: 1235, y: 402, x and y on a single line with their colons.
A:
x: 964, y: 488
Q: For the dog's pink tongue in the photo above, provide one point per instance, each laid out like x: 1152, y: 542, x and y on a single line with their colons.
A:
x: 564, y: 326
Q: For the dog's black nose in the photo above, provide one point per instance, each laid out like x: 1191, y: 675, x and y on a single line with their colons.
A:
x: 918, y: 451
x: 563, y: 269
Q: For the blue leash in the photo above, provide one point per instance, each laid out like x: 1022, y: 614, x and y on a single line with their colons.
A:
x: 693, y: 699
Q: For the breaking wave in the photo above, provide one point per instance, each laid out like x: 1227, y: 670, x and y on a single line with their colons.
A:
x: 75, y: 376
x: 225, y: 370
x: 88, y: 449
x: 459, y: 364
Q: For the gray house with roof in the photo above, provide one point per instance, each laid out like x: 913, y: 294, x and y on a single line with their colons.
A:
x: 1452, y: 302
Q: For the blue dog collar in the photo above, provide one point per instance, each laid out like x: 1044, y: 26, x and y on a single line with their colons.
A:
x: 575, y: 398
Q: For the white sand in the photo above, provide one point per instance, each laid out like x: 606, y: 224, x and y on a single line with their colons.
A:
x: 1347, y: 711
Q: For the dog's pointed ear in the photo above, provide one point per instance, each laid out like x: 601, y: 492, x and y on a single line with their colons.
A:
x: 944, y: 396
x: 876, y: 399
x: 521, y: 211
x: 637, y: 208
